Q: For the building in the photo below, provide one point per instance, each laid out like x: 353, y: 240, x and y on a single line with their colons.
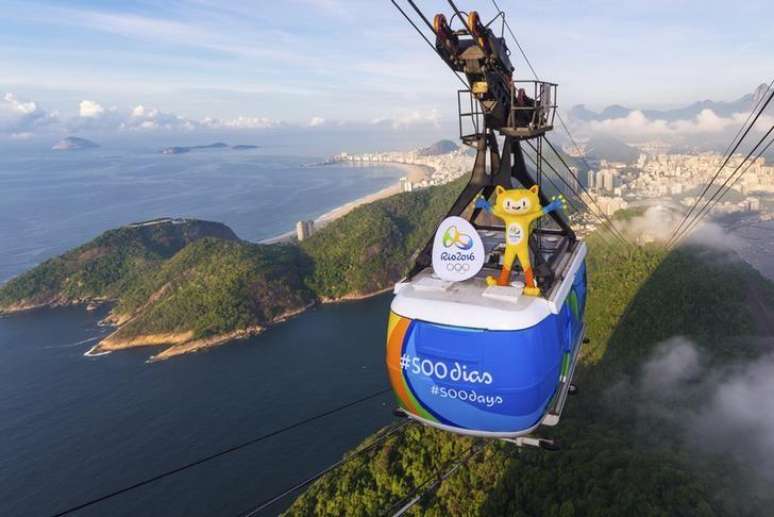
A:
x: 406, y: 185
x: 752, y: 204
x: 304, y: 229
x: 606, y: 180
x: 591, y: 179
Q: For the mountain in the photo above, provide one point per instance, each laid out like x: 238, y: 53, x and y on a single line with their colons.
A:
x: 74, y: 143
x: 723, y: 109
x: 601, y: 147
x: 440, y: 147
x: 191, y: 284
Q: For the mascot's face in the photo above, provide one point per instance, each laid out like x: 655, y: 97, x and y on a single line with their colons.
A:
x: 518, y: 201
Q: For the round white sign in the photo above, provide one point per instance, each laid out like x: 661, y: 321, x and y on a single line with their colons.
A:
x: 458, y: 253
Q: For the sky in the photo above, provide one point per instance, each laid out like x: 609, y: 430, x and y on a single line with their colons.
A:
x: 188, y: 64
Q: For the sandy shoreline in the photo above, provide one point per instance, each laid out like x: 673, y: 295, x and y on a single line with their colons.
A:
x: 414, y: 173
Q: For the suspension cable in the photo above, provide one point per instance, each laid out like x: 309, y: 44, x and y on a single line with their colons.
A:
x: 723, y: 189
x: 612, y: 227
x: 223, y: 452
x: 677, y: 231
x: 268, y: 502
x: 577, y: 195
x: 749, y: 115
x: 431, y: 484
x: 553, y: 183
x: 761, y: 153
x: 422, y: 34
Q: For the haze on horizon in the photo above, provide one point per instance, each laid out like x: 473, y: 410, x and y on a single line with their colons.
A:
x: 304, y: 65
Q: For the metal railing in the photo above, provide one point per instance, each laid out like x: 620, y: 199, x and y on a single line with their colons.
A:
x: 533, y: 109
x: 471, y: 117
x: 533, y: 105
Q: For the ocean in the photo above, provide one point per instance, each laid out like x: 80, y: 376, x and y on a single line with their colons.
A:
x: 53, y: 201
x: 73, y: 428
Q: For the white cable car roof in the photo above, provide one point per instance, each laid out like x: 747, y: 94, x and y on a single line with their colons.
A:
x: 474, y: 304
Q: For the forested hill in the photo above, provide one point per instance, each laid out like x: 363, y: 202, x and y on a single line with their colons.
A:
x: 625, y: 450
x: 191, y: 284
x: 105, y: 267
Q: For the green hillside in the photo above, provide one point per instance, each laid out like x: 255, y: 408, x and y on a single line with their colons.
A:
x: 179, y: 283
x: 370, y: 248
x: 106, y: 266
x: 214, y: 286
x: 615, y: 460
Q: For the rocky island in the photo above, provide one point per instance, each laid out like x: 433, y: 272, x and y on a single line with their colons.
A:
x: 188, y: 284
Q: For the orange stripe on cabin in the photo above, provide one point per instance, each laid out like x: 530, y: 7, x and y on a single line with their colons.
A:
x: 396, y: 333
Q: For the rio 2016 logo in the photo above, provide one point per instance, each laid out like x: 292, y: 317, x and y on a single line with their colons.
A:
x: 454, y: 237
x: 458, y: 252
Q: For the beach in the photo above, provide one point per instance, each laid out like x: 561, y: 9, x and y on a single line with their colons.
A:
x: 414, y: 173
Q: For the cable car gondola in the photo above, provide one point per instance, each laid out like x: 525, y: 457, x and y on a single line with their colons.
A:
x: 475, y: 346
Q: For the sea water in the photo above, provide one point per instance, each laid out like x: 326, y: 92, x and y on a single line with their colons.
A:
x: 73, y: 428
x: 53, y: 201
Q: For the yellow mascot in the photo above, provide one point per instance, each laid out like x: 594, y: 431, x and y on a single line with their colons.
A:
x: 519, y: 209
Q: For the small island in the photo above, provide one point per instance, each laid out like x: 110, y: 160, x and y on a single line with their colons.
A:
x: 74, y: 143
x: 216, y: 145
x: 188, y: 284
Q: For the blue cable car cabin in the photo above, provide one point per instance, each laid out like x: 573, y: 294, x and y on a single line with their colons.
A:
x: 478, y: 363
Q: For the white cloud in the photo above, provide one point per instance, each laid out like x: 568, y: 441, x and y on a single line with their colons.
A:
x: 240, y: 122
x: 674, y: 362
x: 21, y: 117
x: 25, y: 118
x: 708, y: 406
x: 19, y: 106
x: 91, y: 109
x: 706, y: 122
x: 150, y: 118
x: 659, y: 223
x: 410, y: 119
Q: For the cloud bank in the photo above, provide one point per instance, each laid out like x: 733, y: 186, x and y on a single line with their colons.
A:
x: 637, y: 125
x: 22, y: 118
x: 709, y: 406
x: 659, y: 222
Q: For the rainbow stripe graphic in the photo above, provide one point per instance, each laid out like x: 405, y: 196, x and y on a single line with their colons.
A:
x: 398, y: 328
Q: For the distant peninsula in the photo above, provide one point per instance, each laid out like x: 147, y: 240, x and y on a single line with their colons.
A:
x: 216, y: 145
x: 74, y: 143
x: 188, y: 284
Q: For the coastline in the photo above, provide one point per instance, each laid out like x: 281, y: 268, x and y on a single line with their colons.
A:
x: 180, y: 343
x: 414, y: 173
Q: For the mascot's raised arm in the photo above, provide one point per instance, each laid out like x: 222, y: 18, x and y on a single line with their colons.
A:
x: 519, y: 209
